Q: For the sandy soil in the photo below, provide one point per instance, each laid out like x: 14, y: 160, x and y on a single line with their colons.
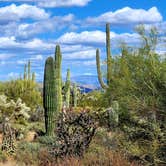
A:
x: 30, y: 136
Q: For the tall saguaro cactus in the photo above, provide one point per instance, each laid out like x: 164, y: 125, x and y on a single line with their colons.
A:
x: 67, y: 89
x: 33, y: 77
x: 49, y: 99
x: 25, y: 72
x: 58, y: 62
x: 75, y: 95
x: 29, y: 70
x: 108, y: 48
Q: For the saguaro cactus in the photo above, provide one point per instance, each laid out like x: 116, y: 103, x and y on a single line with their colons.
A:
x: 103, y: 85
x: 67, y: 89
x: 25, y: 72
x: 29, y: 70
x: 75, y: 95
x: 33, y: 77
x: 49, y: 99
x: 58, y: 61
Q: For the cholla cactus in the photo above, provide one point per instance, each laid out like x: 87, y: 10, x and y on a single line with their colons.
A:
x: 10, y: 111
x: 113, y: 115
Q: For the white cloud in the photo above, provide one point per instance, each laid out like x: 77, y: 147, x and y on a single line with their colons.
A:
x: 54, y: 3
x: 29, y: 30
x: 83, y: 37
x: 38, y: 57
x: 7, y: 43
x: 63, y: 3
x: 86, y: 54
x: 127, y: 16
x: 97, y: 37
x: 90, y: 63
x: 5, y: 56
x: 24, y: 11
x: 88, y: 74
x: 13, y: 75
x: 52, y: 24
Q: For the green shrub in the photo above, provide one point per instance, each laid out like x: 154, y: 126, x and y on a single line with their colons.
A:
x: 28, y: 153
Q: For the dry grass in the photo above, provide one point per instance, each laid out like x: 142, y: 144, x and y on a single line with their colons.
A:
x: 106, y: 158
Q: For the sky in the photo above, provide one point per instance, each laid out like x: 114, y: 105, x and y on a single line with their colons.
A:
x: 30, y: 30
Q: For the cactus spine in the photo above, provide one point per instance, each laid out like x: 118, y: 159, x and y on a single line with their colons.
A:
x: 75, y: 95
x: 58, y: 61
x: 49, y: 100
x: 103, y: 85
x: 67, y: 89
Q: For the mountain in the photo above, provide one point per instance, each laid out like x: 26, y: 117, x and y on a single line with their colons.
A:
x: 87, y: 81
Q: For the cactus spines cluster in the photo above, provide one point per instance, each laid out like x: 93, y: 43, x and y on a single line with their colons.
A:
x: 75, y: 95
x: 108, y: 48
x: 49, y: 92
x: 58, y: 63
x: 67, y: 89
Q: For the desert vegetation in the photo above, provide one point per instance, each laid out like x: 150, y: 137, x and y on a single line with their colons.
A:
x: 120, y: 124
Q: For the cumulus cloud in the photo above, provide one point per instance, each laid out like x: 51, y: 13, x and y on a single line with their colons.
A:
x: 29, y: 30
x: 97, y: 37
x: 52, y: 24
x: 127, y: 16
x: 15, y: 13
x: 54, y: 3
x: 5, y: 56
x: 63, y: 3
x: 86, y: 54
x: 10, y: 44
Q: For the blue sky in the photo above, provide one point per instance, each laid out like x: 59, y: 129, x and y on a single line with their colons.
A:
x: 30, y: 29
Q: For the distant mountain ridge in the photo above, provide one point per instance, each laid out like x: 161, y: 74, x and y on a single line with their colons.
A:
x: 87, y: 83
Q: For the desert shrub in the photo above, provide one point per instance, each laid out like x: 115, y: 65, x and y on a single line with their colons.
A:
x: 92, y: 99
x: 27, y: 90
x: 37, y: 127
x: 16, y: 114
x: 138, y: 84
x: 3, y: 156
x: 28, y: 153
x: 74, y: 133
x: 103, y: 150
x: 144, y: 142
